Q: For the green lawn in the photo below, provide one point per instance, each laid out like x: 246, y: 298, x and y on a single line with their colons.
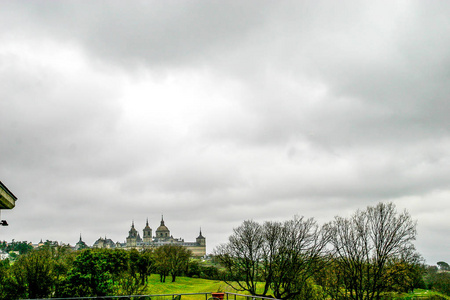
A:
x: 185, y: 285
x: 422, y: 293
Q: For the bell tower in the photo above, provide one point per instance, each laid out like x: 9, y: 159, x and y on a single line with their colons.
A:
x: 132, y: 236
x: 147, y: 233
x: 201, y: 240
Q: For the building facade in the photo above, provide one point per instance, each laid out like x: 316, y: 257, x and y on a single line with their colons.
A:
x: 162, y: 237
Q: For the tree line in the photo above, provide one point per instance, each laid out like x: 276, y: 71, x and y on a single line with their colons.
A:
x: 21, y: 247
x: 369, y: 255
x: 363, y: 257
x: 58, y: 271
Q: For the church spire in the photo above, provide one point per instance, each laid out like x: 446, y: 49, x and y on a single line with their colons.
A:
x: 200, y: 235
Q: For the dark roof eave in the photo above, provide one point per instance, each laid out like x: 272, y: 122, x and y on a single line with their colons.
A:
x: 7, y: 191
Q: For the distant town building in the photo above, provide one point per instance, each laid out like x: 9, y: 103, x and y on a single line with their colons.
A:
x: 3, y: 255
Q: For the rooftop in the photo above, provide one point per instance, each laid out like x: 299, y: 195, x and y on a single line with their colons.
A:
x: 7, y: 198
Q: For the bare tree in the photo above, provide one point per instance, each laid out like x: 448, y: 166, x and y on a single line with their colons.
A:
x: 364, y: 245
x: 242, y: 257
x: 298, y: 253
x: 282, y: 256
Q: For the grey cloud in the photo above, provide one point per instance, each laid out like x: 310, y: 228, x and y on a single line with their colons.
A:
x: 154, y: 33
x: 311, y: 108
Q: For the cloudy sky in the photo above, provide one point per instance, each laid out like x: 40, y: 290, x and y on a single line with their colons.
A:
x: 214, y: 112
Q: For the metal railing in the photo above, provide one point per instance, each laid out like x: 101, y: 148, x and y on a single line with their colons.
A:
x: 178, y: 296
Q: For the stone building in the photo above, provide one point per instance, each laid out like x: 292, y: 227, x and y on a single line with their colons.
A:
x: 104, y: 243
x: 162, y: 237
x: 133, y: 237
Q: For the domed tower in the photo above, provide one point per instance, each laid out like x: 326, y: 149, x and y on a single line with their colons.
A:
x: 162, y: 232
x: 201, y: 240
x: 132, y: 236
x: 147, y: 233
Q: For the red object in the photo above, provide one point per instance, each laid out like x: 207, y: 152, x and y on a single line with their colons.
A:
x: 218, y: 295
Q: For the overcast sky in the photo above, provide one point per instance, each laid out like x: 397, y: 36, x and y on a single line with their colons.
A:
x: 215, y: 112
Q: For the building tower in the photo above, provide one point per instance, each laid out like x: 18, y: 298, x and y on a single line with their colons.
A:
x: 80, y: 244
x: 147, y: 234
x: 132, y: 236
x: 162, y: 232
x: 201, y: 240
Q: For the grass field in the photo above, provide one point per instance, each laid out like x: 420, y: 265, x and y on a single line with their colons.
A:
x: 186, y: 285
x: 420, y: 293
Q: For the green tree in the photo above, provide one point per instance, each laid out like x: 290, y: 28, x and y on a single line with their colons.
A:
x: 330, y: 278
x: 132, y: 276
x: 116, y: 261
x: 162, y: 265
x: 89, y: 276
x: 194, y: 269
x: 442, y: 283
x: 171, y: 260
x: 23, y: 247
x: 178, y: 260
x: 443, y: 265
x: 438, y: 281
x: 62, y: 258
x: 3, y: 246
x: 130, y: 280
x: 210, y: 272
x: 32, y: 274
x: 145, y: 265
x: 402, y: 276
x: 5, y: 280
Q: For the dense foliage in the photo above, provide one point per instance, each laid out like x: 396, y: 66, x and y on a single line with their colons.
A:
x: 438, y: 280
x: 57, y: 271
x: 22, y: 247
x: 171, y: 260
